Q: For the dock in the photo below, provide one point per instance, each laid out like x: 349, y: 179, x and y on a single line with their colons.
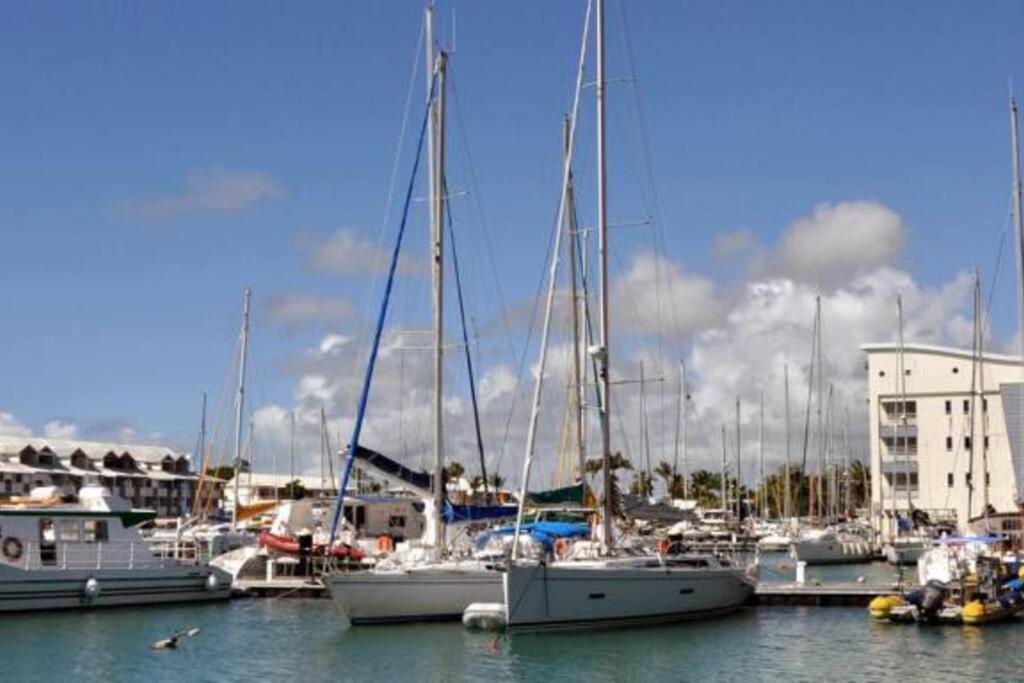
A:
x: 281, y: 587
x: 821, y: 595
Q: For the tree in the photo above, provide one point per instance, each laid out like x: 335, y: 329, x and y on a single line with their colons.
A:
x: 496, y: 481
x: 705, y: 487
x: 642, y: 484
x: 673, y: 480
x: 616, y: 462
x: 454, y: 471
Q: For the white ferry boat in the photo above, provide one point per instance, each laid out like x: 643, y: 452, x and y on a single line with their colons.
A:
x: 57, y: 552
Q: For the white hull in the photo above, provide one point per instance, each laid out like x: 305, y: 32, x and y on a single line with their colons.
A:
x: 832, y: 551
x: 572, y: 595
x: 905, y: 553
x: 429, y: 593
x: 66, y: 589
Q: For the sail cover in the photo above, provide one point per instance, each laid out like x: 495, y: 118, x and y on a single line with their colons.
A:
x: 393, y: 469
x: 546, y: 533
x: 567, y: 495
x: 454, y: 514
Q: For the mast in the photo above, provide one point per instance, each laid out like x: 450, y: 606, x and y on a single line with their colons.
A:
x: 725, y: 503
x: 902, y: 378
x: 763, y: 484
x: 1018, y: 222
x: 570, y: 234
x: 291, y: 455
x: 739, y: 460
x: 239, y: 401
x: 821, y: 433
x: 787, y: 510
x: 604, y: 360
x: 973, y: 412
x: 323, y: 448
x: 436, y: 63
x: 979, y: 324
x: 680, y: 427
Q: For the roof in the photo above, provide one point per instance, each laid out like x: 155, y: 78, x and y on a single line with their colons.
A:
x: 952, y: 351
x: 93, y: 449
x: 308, y: 481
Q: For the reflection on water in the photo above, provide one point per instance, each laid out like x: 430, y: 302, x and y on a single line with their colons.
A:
x: 305, y: 640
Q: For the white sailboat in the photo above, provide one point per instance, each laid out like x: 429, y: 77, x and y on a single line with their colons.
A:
x: 614, y: 588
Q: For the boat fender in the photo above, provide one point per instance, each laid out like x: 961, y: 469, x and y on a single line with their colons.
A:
x: 561, y: 548
x: 882, y: 606
x: 212, y: 583
x: 662, y: 546
x: 91, y: 589
x: 385, y: 544
x: 12, y: 548
x: 974, y: 612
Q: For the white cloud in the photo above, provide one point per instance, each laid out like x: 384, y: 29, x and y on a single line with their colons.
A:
x: 731, y: 243
x: 214, y: 190
x: 839, y: 240
x: 60, y: 429
x: 12, y: 426
x: 346, y: 253
x: 654, y: 295
x: 297, y: 310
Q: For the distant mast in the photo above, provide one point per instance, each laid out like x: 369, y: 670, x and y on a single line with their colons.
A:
x: 240, y: 401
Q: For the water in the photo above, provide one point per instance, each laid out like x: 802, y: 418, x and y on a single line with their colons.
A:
x: 306, y: 640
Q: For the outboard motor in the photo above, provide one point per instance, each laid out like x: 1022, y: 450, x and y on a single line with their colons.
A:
x: 933, y: 596
x: 305, y: 554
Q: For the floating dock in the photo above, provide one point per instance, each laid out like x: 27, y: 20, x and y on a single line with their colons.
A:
x: 821, y: 595
x: 281, y: 587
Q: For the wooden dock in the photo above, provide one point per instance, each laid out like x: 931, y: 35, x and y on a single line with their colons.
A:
x: 282, y: 587
x: 821, y: 595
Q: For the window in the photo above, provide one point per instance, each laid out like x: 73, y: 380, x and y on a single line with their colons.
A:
x: 396, y: 522
x: 988, y: 479
x: 967, y: 407
x: 881, y: 373
x: 47, y: 542
x: 984, y: 405
x: 986, y: 443
x: 955, y: 369
x: 907, y: 372
x: 68, y: 530
x: 949, y: 443
x: 899, y: 479
x: 967, y: 478
x: 967, y: 443
x: 95, y: 531
x: 949, y: 407
x: 949, y: 480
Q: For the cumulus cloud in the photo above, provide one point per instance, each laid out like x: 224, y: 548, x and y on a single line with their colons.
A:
x: 10, y: 425
x: 839, y: 240
x: 294, y: 310
x: 215, y: 190
x: 60, y: 429
x: 653, y: 295
x: 346, y: 253
x: 732, y: 243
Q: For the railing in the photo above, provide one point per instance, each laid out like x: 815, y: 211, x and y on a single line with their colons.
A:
x: 113, y: 555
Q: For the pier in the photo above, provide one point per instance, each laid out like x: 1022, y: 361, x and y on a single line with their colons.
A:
x: 847, y: 594
x: 281, y: 587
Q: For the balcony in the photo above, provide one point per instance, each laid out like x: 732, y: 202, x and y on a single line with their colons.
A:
x: 897, y: 431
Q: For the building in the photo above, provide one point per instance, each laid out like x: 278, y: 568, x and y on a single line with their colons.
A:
x: 256, y: 488
x: 956, y: 444
x: 150, y: 477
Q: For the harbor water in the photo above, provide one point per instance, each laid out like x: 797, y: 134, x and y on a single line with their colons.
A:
x: 308, y: 640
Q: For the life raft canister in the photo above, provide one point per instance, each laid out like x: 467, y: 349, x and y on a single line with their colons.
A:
x: 12, y: 548
x: 561, y: 547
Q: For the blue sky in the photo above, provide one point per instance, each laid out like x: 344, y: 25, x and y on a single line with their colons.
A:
x: 122, y: 281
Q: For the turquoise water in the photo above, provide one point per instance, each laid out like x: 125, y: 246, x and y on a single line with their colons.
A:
x: 305, y: 640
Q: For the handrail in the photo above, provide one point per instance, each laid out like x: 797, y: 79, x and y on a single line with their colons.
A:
x: 104, y: 555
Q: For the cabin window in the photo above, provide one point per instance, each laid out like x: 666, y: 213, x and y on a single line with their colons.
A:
x: 68, y: 530
x: 949, y: 407
x: 396, y: 522
x: 95, y: 531
x: 47, y: 542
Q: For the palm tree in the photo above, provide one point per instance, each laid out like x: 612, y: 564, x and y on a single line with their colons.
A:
x: 642, y: 485
x: 616, y: 462
x: 496, y: 481
x: 454, y: 470
x: 673, y: 480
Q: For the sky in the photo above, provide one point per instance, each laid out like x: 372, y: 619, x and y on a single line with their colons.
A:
x: 157, y: 159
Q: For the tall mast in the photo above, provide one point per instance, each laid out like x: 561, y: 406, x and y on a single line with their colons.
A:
x: 570, y: 235
x: 680, y: 427
x: 821, y: 432
x: 604, y: 359
x: 323, y: 448
x: 786, y: 496
x: 901, y: 373
x: 436, y: 67
x: 979, y: 324
x: 291, y: 455
x: 239, y: 401
x: 1018, y: 222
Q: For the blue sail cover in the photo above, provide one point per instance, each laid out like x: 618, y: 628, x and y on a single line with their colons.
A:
x: 546, y: 533
x: 453, y: 514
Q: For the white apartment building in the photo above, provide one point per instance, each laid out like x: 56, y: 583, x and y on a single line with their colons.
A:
x: 946, y: 431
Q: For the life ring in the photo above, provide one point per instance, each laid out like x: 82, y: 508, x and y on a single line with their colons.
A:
x: 12, y: 548
x: 561, y: 547
x: 662, y: 546
x: 385, y: 544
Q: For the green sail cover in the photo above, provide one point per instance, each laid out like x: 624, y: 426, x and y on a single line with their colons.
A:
x: 567, y: 495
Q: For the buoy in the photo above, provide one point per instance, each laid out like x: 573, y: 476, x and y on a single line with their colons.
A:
x: 882, y: 606
x: 212, y: 583
x: 91, y: 588
x: 974, y: 612
x: 166, y: 644
x: 485, y: 616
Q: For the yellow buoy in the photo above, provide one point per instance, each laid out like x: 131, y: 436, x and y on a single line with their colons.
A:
x: 974, y: 612
x: 881, y: 606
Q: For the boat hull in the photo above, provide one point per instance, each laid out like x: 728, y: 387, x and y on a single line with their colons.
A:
x: 67, y: 589
x: 576, y: 595
x: 421, y: 594
x: 832, y: 552
x: 903, y: 554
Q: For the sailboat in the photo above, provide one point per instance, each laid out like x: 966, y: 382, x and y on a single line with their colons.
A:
x: 612, y: 588
x: 426, y: 583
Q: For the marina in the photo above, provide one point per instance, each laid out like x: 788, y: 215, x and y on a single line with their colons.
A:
x: 591, y: 340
